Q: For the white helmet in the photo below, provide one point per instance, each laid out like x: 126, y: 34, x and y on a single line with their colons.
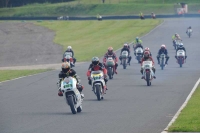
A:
x: 69, y: 47
x: 181, y: 45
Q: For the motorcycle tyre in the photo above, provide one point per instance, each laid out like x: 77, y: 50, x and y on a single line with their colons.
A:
x: 71, y: 104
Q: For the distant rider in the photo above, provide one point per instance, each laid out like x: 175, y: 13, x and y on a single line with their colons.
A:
x: 110, y: 53
x: 162, y: 50
x: 181, y: 47
x: 189, y: 28
x: 96, y: 66
x: 69, y: 49
x: 68, y: 72
x: 147, y: 57
x: 153, y: 15
x: 125, y: 48
x: 138, y: 43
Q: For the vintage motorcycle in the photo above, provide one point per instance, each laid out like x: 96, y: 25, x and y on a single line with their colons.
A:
x: 189, y: 32
x: 110, y: 64
x: 162, y: 60
x: 98, y: 84
x: 180, y: 57
x: 124, y: 57
x: 71, y: 94
x: 147, y: 71
x: 68, y: 58
x: 139, y: 54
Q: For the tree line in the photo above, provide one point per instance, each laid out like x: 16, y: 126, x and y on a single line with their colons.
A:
x: 16, y: 3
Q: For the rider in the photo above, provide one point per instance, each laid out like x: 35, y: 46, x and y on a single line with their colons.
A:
x: 147, y: 57
x: 153, y: 15
x: 110, y: 53
x: 163, y: 50
x: 147, y: 49
x: 176, y: 37
x: 189, y: 28
x: 180, y: 47
x: 69, y: 49
x: 125, y: 48
x: 66, y: 72
x: 96, y: 66
x: 138, y: 43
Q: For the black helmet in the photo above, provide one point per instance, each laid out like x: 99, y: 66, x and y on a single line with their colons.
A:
x: 95, y: 60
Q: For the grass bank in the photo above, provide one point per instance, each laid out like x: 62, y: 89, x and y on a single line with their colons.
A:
x: 93, y: 7
x: 189, y: 118
x: 11, y: 74
x: 92, y: 38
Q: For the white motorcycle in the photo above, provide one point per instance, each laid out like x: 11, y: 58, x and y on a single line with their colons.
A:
x: 147, y: 71
x: 177, y: 43
x: 180, y: 57
x: 189, y: 32
x: 124, y: 57
x: 162, y: 60
x: 98, y: 84
x: 68, y: 58
x: 139, y: 53
x: 71, y: 94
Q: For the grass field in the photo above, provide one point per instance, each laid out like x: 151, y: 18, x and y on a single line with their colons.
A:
x: 189, y: 118
x: 11, y: 74
x: 93, y: 7
x: 92, y: 38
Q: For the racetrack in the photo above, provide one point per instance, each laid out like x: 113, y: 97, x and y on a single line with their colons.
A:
x: 31, y: 104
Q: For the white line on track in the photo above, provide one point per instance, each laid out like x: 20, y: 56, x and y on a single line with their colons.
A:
x: 181, y: 108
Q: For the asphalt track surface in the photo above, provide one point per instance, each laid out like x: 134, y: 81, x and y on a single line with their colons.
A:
x: 31, y: 104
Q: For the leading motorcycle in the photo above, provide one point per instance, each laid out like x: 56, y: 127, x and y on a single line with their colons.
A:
x: 68, y: 58
x: 162, y: 60
x: 147, y: 71
x: 124, y: 57
x: 71, y: 94
x: 180, y: 57
x: 189, y: 32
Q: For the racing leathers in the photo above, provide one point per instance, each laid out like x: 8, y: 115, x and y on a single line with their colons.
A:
x: 161, y: 51
x: 113, y: 55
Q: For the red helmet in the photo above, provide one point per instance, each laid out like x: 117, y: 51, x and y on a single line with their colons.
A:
x: 146, y: 54
x: 163, y: 46
x: 147, y: 49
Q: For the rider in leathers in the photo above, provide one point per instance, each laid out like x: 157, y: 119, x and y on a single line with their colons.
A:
x: 68, y: 72
x: 125, y: 48
x: 69, y: 49
x: 110, y: 53
x: 138, y: 43
x: 181, y: 48
x: 163, y: 50
x: 147, y: 57
x: 96, y: 66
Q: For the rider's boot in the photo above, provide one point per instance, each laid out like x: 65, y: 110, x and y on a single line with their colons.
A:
x: 60, y: 92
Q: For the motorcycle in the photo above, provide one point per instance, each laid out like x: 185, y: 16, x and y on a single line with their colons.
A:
x: 98, y: 84
x: 71, y: 94
x: 180, y: 57
x: 68, y: 58
x: 189, y: 32
x: 147, y: 71
x: 153, y: 16
x: 124, y: 57
x: 139, y: 53
x: 162, y: 60
x: 110, y: 64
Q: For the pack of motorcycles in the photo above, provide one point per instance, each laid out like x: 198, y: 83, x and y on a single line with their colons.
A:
x: 73, y: 97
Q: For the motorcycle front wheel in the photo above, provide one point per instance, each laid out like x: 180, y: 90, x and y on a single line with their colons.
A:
x: 71, y: 104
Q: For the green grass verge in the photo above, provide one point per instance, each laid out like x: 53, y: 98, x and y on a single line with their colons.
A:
x: 92, y: 7
x: 11, y: 74
x: 189, y: 118
x: 92, y: 38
